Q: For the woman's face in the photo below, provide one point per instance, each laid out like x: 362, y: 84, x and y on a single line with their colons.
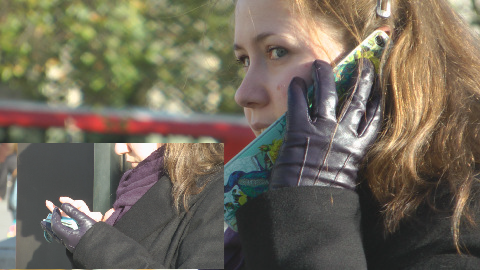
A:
x: 135, y: 152
x: 273, y: 46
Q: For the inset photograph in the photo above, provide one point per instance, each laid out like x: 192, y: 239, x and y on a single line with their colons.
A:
x: 122, y: 205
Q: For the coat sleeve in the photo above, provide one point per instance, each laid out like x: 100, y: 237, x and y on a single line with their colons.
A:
x: 200, y: 241
x: 302, y: 228
x: 104, y: 247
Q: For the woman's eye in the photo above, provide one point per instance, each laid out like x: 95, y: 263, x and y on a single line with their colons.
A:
x: 244, y: 61
x: 277, y: 52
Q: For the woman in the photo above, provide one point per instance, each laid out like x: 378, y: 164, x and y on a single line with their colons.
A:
x: 360, y: 192
x: 167, y: 213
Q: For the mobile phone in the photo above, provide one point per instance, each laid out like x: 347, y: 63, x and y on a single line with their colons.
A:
x: 246, y: 175
x: 69, y: 222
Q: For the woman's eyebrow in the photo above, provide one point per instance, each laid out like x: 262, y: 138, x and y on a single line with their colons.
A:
x: 258, y: 38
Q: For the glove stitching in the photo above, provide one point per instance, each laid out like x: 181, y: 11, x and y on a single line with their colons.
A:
x: 343, y: 167
x: 338, y: 173
x: 326, y: 156
x: 370, y: 121
x: 71, y: 248
x: 304, y: 160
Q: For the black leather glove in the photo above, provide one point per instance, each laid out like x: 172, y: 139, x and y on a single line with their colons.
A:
x: 68, y: 236
x: 318, y: 149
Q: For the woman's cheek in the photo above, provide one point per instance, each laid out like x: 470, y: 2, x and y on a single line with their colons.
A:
x: 248, y: 113
x: 308, y: 71
x: 281, y: 99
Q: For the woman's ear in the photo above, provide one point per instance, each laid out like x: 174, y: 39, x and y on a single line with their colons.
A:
x: 386, y: 29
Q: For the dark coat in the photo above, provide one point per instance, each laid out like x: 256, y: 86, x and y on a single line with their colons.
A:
x: 152, y: 235
x: 332, y: 228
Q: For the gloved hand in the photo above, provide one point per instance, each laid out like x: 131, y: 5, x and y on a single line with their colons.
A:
x: 47, y: 227
x: 66, y: 235
x: 318, y: 149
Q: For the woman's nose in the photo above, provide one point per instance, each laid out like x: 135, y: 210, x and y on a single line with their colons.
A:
x: 121, y: 148
x: 252, y: 93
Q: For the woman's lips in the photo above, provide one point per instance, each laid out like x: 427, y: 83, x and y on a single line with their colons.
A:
x: 259, y: 128
x: 132, y: 162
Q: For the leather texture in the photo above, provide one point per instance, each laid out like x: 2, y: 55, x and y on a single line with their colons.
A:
x: 319, y: 148
x: 68, y: 236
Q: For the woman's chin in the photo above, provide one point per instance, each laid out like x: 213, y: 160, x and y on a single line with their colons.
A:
x: 258, y: 132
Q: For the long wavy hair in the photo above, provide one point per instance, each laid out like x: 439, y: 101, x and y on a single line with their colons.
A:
x: 185, y: 163
x: 431, y: 88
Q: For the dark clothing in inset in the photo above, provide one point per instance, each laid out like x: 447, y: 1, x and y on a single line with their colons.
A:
x: 152, y: 235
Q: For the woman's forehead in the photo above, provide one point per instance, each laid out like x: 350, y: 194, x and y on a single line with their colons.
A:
x: 262, y: 10
x: 259, y: 16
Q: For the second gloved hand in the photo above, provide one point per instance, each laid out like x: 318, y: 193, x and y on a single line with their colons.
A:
x: 68, y: 236
x: 318, y: 148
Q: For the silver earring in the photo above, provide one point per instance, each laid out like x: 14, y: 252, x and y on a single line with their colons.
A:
x: 384, y: 13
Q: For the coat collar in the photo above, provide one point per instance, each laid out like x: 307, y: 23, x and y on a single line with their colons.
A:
x: 155, y: 209
x: 145, y: 217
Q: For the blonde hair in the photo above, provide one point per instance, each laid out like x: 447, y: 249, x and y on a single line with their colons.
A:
x: 431, y: 87
x: 185, y: 163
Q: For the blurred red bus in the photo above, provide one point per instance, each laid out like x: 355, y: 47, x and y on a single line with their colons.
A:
x: 233, y: 131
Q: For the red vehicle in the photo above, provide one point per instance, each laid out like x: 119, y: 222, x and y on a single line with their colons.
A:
x: 233, y: 131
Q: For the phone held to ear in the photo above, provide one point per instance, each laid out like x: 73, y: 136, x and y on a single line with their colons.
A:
x: 246, y: 175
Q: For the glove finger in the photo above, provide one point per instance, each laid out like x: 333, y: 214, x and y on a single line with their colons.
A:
x: 81, y: 218
x: 325, y: 93
x: 297, y: 103
x: 371, y: 124
x: 57, y: 227
x: 79, y: 204
x: 47, y: 227
x: 357, y: 107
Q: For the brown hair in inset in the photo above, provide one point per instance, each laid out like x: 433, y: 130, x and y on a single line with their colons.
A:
x: 185, y: 163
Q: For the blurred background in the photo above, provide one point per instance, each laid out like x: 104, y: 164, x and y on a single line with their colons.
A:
x: 127, y: 70
x: 109, y: 71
